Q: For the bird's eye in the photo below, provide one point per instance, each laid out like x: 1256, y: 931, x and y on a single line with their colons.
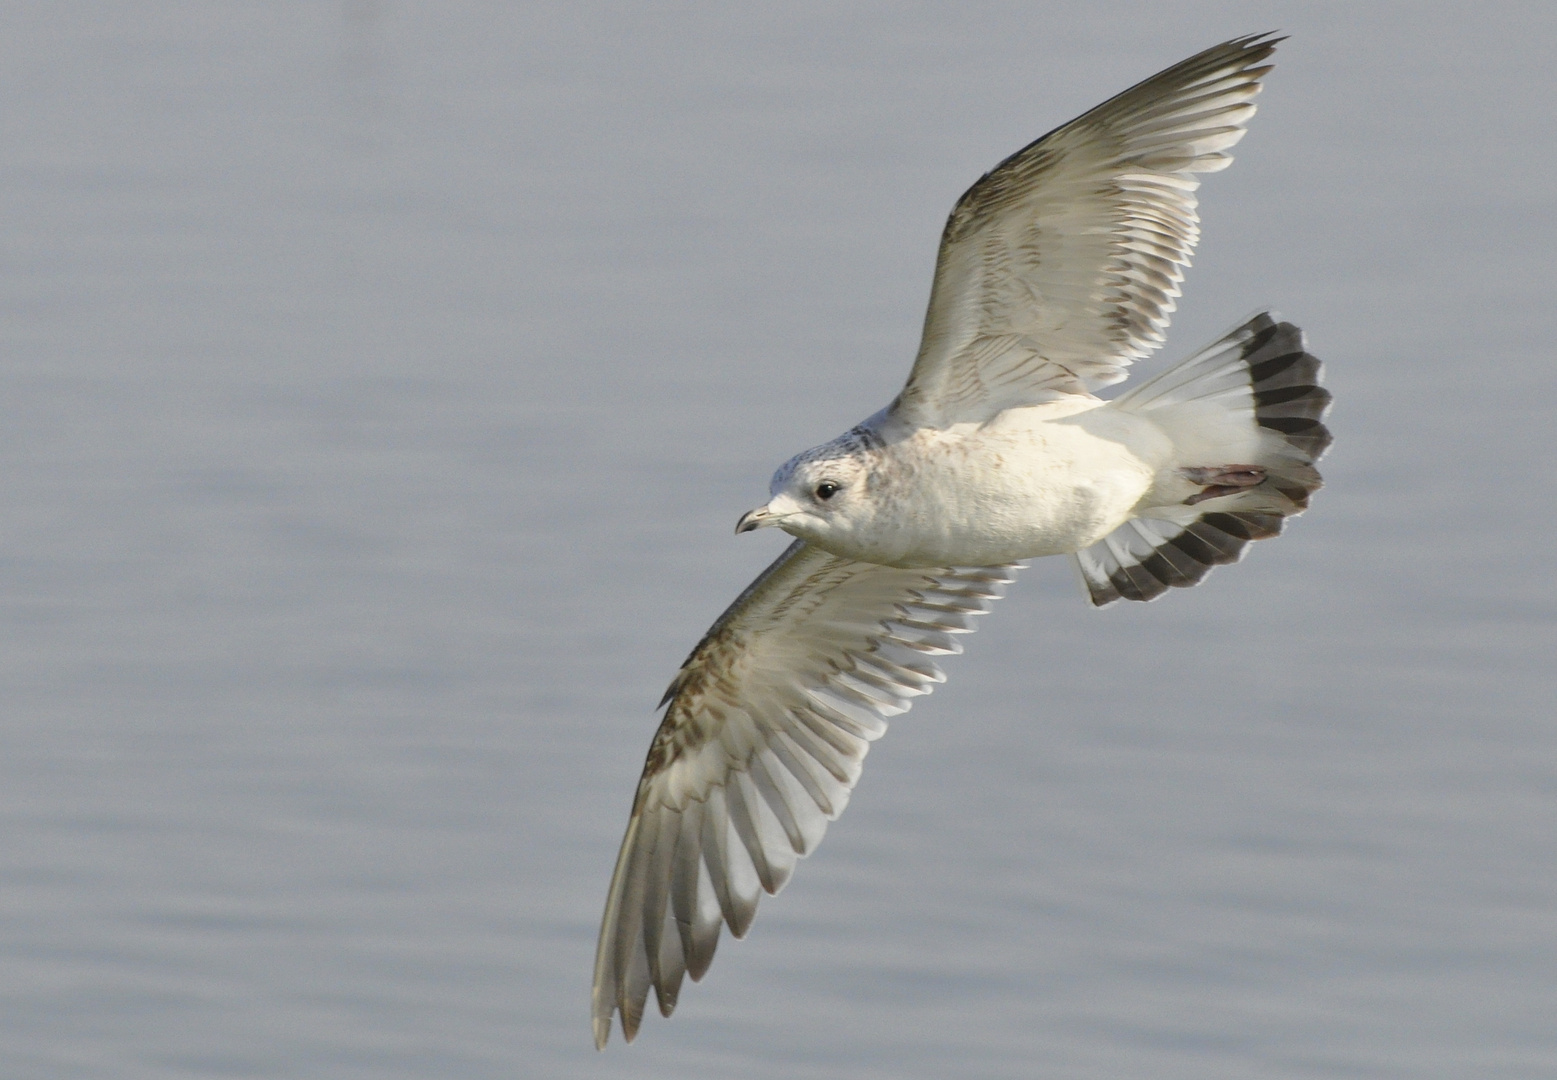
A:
x: 827, y: 489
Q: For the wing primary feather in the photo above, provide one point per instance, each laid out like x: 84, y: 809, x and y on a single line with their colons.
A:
x: 671, y: 969
x: 879, y: 694
x: 635, y: 991
x: 685, y: 873
x: 951, y: 604
x: 658, y: 864
x: 794, y: 757
x: 853, y: 717
x: 905, y: 683
x: 608, y: 969
x: 900, y: 656
x: 705, y: 929
x: 850, y: 747
x: 922, y: 638
x: 632, y: 959
x: 916, y: 617
x: 913, y: 679
x: 767, y: 786
x: 631, y: 962
x: 744, y: 817
x: 737, y: 908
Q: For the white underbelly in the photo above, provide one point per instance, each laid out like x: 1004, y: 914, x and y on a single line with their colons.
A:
x: 1034, y: 482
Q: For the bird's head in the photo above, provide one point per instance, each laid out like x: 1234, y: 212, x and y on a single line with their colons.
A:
x: 821, y: 495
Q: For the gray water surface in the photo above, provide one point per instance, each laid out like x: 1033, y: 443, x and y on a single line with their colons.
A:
x: 381, y: 382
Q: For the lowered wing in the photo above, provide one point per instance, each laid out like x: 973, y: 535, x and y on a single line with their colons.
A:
x: 768, y: 722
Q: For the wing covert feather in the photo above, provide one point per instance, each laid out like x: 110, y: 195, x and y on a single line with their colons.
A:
x: 1059, y: 268
x: 767, y: 724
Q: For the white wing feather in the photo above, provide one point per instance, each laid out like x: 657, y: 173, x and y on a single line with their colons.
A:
x: 768, y: 722
x: 1060, y: 267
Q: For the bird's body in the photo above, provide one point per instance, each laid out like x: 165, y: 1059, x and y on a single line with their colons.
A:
x: 1056, y: 271
x: 1034, y: 480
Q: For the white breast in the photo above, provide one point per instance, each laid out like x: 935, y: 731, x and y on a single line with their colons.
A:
x: 1040, y: 480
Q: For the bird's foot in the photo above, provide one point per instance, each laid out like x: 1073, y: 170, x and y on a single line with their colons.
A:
x: 1221, y: 480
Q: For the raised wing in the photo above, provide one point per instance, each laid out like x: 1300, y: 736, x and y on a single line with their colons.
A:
x: 768, y: 723
x: 1060, y: 267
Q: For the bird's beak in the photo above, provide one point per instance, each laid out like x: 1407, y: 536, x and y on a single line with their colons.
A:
x: 755, y: 519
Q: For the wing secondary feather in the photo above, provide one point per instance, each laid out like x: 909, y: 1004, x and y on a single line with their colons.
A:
x: 767, y: 724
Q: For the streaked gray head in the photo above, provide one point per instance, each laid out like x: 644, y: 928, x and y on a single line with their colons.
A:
x: 820, y: 492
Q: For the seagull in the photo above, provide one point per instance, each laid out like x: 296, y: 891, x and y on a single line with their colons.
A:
x: 1056, y: 271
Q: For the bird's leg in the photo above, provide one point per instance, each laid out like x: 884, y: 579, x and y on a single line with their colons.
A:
x: 1221, y: 480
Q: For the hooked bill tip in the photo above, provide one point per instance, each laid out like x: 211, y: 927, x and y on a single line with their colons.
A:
x: 753, y: 519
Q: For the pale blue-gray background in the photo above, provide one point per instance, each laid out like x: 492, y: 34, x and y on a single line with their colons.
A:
x: 381, y: 382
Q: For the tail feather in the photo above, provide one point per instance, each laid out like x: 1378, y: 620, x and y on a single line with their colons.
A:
x: 1252, y: 398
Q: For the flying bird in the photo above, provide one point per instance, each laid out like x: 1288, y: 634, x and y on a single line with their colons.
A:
x: 1056, y: 271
